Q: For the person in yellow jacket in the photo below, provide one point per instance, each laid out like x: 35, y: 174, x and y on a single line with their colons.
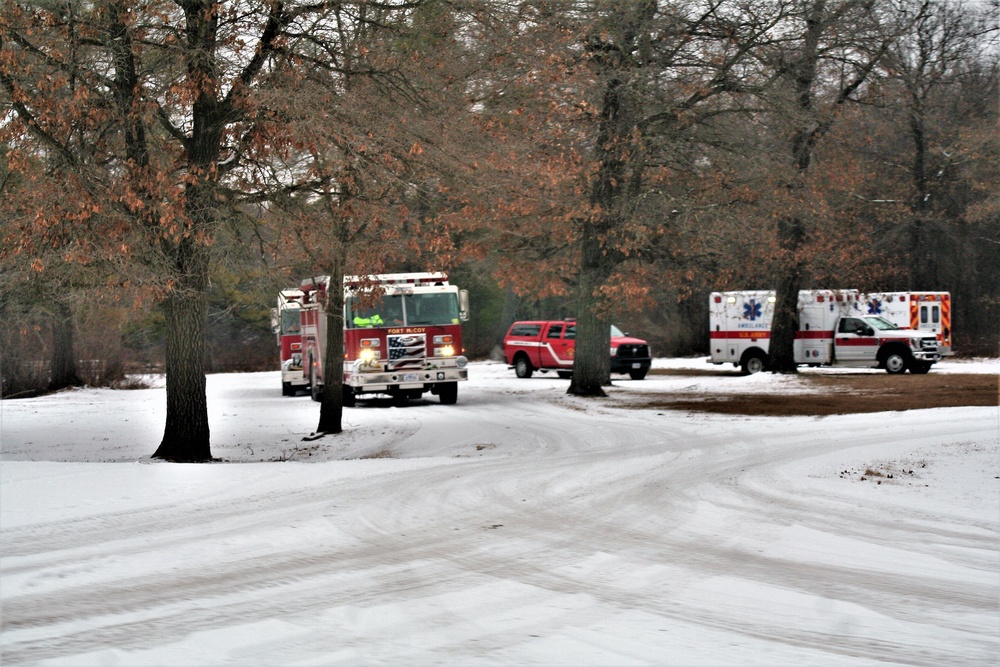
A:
x: 373, y: 321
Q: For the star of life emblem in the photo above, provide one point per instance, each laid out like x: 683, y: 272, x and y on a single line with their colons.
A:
x: 752, y: 310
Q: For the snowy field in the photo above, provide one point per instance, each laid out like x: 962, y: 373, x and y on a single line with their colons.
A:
x: 518, y: 527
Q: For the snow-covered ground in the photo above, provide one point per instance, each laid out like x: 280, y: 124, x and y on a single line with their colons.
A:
x: 519, y: 527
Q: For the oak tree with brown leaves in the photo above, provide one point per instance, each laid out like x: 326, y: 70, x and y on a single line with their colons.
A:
x: 593, y: 113
x: 174, y: 103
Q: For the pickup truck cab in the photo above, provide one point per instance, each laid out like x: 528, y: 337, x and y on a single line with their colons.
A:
x: 549, y: 345
x: 858, y: 341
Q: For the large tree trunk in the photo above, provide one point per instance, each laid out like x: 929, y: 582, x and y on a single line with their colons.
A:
x: 781, y: 352
x: 186, y: 434
x: 791, y: 229
x: 618, y: 52
x: 63, y: 373
x: 921, y: 258
x: 331, y: 409
x: 591, y: 361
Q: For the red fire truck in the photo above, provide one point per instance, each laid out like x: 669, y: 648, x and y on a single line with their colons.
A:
x: 402, y: 336
x: 285, y: 323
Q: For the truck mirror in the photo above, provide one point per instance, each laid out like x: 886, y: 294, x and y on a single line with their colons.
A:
x: 275, y: 320
x: 463, y: 304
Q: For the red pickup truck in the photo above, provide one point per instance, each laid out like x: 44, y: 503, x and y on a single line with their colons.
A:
x: 549, y: 345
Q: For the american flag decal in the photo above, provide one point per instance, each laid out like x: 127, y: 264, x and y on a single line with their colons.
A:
x: 407, y: 351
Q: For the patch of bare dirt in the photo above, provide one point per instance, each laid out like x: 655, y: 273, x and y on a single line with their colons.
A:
x: 839, y: 395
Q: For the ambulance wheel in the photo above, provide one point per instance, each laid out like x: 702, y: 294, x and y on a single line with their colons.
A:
x: 895, y: 362
x: 448, y: 393
x: 753, y: 362
x: 920, y: 367
x: 522, y: 367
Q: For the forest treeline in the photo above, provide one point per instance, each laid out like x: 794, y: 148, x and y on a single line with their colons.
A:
x: 167, y: 166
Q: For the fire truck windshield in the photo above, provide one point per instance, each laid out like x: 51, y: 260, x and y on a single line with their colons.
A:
x: 435, y: 309
x: 388, y: 312
x: 290, y: 322
x: 431, y: 309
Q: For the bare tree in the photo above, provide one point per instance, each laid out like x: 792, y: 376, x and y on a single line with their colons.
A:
x: 378, y: 132
x: 613, y: 95
x: 938, y: 108
x: 831, y: 51
x: 932, y: 66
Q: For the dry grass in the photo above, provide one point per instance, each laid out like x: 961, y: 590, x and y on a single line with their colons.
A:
x: 380, y: 454
x: 838, y: 395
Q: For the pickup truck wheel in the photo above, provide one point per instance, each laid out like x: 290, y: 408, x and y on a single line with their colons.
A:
x: 286, y: 389
x: 895, y: 362
x: 639, y: 374
x: 753, y: 362
x: 522, y: 367
x: 347, y: 397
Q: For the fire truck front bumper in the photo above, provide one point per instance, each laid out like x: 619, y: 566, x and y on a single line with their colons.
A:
x: 362, y: 378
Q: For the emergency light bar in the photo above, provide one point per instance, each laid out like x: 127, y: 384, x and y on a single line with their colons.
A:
x: 398, y: 279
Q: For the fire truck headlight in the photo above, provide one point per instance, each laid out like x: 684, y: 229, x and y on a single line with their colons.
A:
x: 446, y: 351
x: 445, y: 339
x: 366, y: 355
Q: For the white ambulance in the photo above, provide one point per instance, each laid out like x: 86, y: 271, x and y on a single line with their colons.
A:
x: 834, y: 329
x: 923, y: 311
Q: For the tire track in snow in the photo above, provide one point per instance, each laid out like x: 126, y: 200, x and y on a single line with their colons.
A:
x: 547, y: 532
